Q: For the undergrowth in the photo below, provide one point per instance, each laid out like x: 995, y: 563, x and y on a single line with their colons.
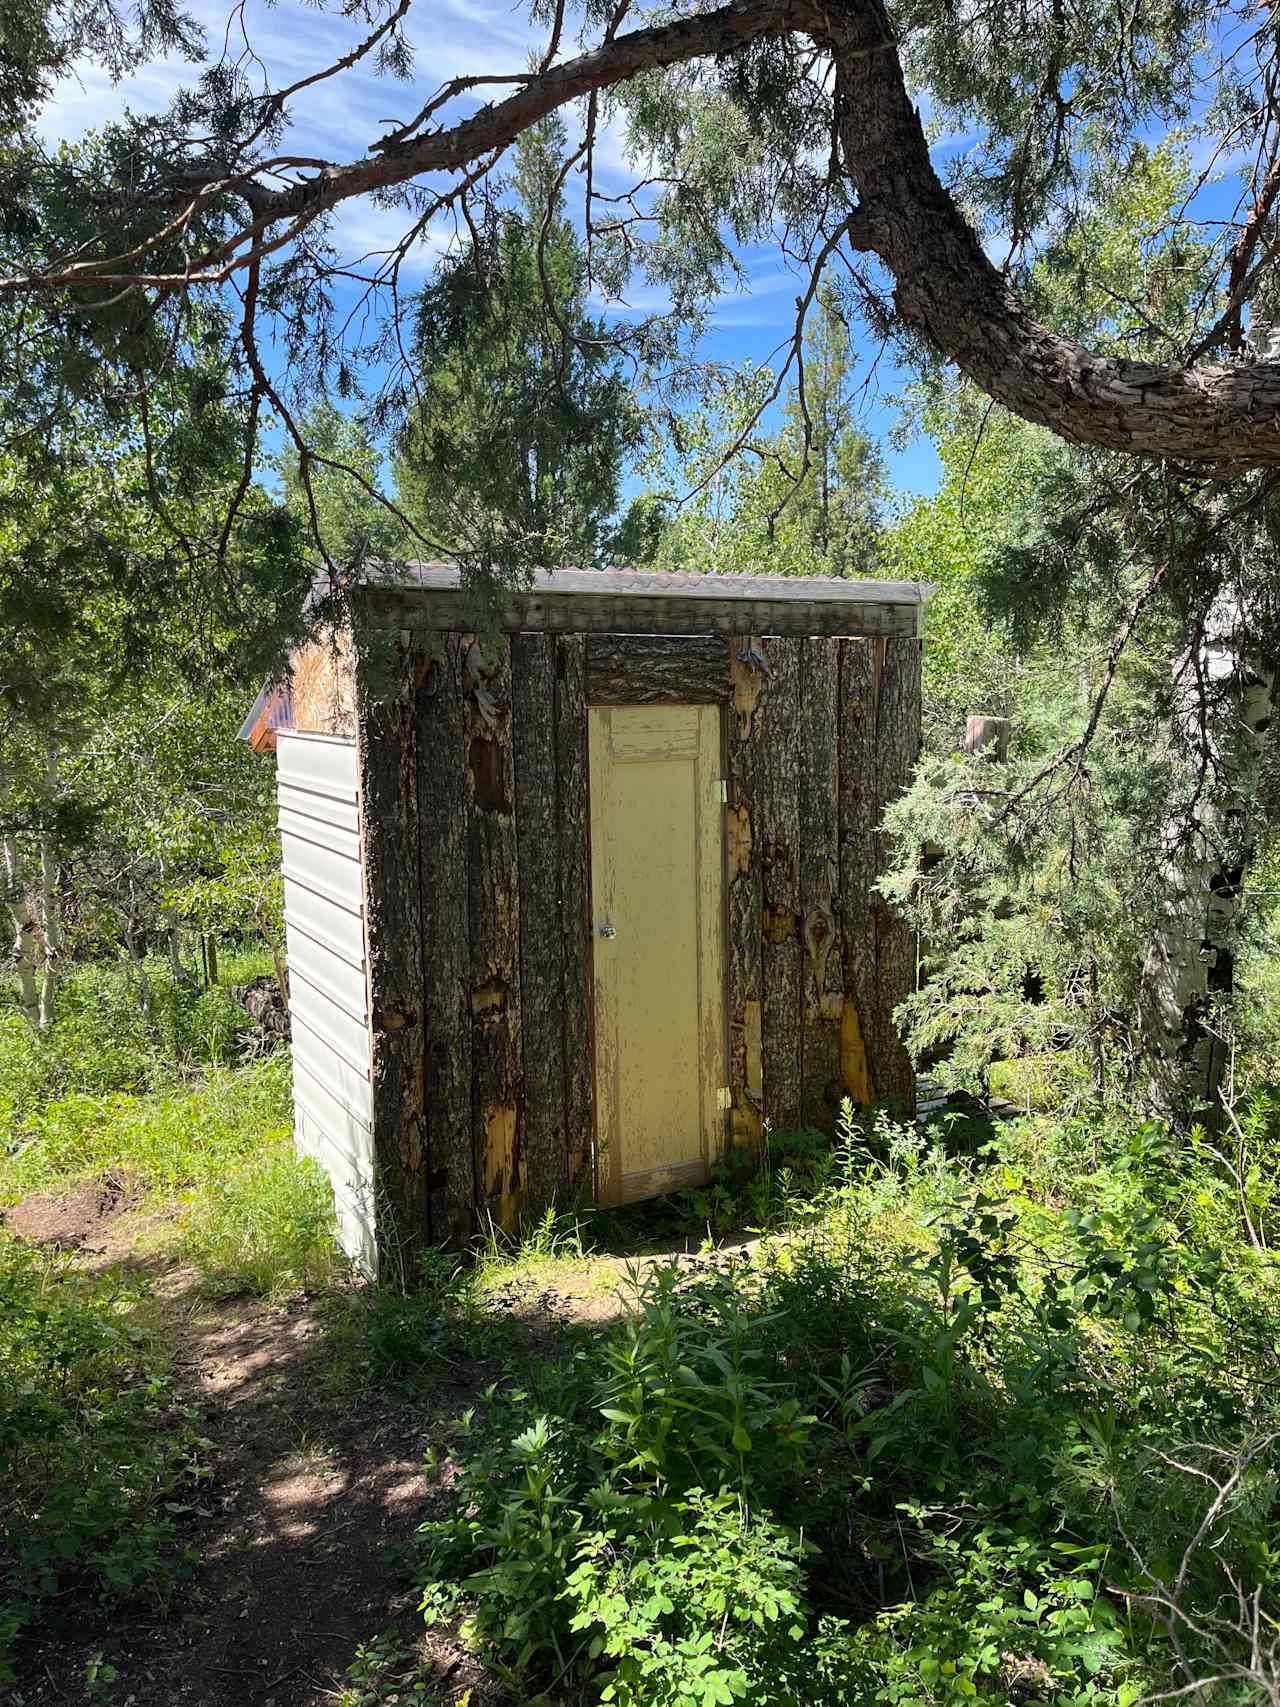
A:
x: 98, y: 1462
x: 105, y: 1038
x: 997, y: 1428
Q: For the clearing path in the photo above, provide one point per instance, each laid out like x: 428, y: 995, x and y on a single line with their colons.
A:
x: 299, y: 1537
x: 302, y: 1536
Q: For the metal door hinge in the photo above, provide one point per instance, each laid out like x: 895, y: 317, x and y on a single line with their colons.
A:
x: 724, y: 1097
x: 724, y: 794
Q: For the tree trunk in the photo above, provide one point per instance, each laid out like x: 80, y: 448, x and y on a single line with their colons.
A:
x: 1223, y: 713
x: 24, y: 941
x: 947, y: 291
x: 53, y: 942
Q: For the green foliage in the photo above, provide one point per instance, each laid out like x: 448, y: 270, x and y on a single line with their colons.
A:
x: 167, y: 1140
x: 806, y: 499
x: 519, y: 415
x: 103, y: 1041
x: 926, y: 1447
x: 97, y: 1464
x: 266, y: 1228
x: 709, y: 1611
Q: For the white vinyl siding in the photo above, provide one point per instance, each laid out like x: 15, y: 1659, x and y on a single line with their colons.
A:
x: 319, y: 815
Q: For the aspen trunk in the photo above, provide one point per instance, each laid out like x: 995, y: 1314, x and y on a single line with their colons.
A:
x: 52, y: 940
x: 24, y: 937
x: 24, y: 940
x: 1189, y: 960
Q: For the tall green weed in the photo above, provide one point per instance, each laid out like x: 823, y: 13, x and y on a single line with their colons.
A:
x: 950, y: 1435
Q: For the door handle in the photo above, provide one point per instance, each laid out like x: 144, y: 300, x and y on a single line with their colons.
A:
x: 608, y: 931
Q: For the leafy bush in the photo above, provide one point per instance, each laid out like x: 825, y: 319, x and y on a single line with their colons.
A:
x: 103, y: 1040
x: 96, y: 1459
x: 929, y: 1446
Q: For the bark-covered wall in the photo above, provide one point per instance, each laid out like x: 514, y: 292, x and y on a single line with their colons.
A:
x: 478, y: 860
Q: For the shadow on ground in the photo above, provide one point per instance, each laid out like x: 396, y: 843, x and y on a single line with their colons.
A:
x: 301, y: 1538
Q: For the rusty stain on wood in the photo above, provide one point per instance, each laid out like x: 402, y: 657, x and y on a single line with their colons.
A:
x: 854, y: 1067
x: 738, y: 841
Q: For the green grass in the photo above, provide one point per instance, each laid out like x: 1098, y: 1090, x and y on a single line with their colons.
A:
x: 98, y: 1464
x: 161, y: 1104
x: 98, y: 1461
x: 264, y: 1227
x: 102, y: 1040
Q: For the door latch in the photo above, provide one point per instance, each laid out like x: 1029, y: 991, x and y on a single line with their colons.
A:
x: 608, y: 931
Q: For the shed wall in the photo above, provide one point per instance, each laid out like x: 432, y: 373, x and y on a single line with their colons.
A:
x: 319, y: 815
x: 480, y: 936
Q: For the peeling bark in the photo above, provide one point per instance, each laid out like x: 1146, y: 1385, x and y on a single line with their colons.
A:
x: 446, y: 949
x: 823, y: 967
x: 746, y: 894
x: 780, y: 850
x: 859, y: 676
x: 393, y: 925
x: 575, y: 905
x: 493, y: 905
x: 541, y: 934
x: 1188, y: 962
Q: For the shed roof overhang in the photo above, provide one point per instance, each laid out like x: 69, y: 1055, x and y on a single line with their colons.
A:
x: 629, y: 601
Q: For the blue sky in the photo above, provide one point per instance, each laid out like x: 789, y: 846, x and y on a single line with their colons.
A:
x: 340, y: 119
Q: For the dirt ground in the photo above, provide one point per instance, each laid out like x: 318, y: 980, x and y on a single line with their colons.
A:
x: 301, y: 1533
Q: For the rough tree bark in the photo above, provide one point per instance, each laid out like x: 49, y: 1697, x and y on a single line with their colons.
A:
x: 947, y: 289
x: 1224, y: 708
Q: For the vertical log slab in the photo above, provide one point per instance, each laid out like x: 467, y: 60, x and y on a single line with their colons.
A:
x: 446, y: 939
x: 743, y: 855
x: 780, y: 793
x: 533, y: 700
x: 858, y: 806
x: 822, y: 968
x: 389, y: 834
x: 575, y: 906
x: 493, y: 900
x: 898, y: 747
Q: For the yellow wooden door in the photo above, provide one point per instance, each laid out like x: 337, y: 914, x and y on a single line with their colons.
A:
x: 657, y: 887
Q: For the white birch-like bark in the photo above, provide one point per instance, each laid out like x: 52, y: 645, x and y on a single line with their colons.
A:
x: 1223, y: 710
x: 53, y: 943
x: 24, y: 942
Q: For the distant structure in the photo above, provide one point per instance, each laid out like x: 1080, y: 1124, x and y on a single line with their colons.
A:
x: 575, y: 909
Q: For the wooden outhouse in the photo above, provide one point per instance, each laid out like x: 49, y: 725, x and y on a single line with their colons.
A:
x: 572, y: 910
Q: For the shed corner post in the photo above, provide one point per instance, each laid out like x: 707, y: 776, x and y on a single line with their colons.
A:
x: 388, y: 772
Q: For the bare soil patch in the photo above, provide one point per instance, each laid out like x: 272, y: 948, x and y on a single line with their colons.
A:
x: 300, y: 1538
x: 73, y: 1220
